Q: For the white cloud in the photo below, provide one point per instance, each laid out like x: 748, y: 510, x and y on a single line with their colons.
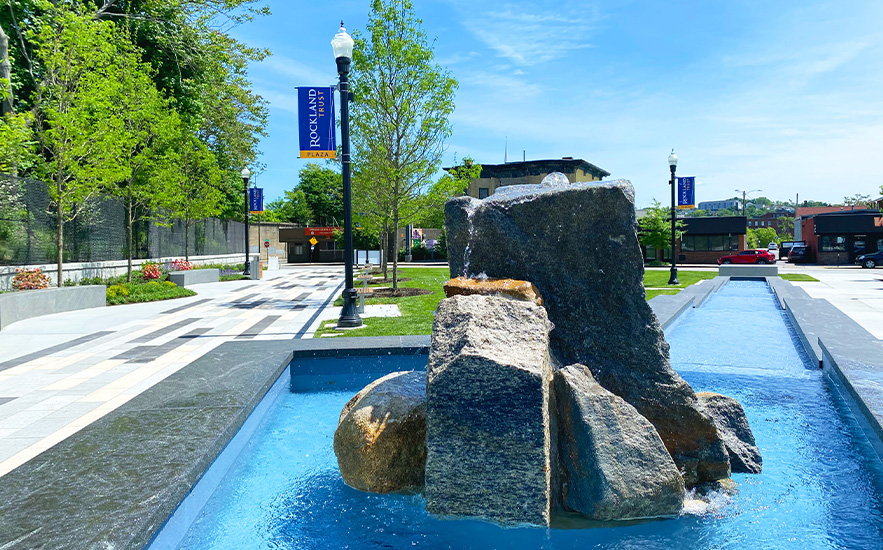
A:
x: 524, y: 34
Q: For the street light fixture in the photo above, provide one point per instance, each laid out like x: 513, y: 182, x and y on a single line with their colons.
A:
x: 743, y: 197
x: 246, y: 173
x: 672, y: 165
x: 342, y: 44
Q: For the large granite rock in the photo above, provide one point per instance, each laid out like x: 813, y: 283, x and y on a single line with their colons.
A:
x: 380, y: 441
x: 489, y: 438
x: 733, y: 426
x: 578, y: 245
x: 520, y: 290
x: 613, y: 463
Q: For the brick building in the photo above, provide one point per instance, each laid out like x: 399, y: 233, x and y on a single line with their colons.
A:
x: 836, y: 238
x: 494, y: 176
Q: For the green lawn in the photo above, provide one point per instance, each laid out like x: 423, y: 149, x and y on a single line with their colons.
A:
x: 659, y: 279
x: 131, y: 293
x: 417, y: 310
x: 798, y: 277
x: 653, y: 293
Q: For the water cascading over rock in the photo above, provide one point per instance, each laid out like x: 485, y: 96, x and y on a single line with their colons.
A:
x: 578, y: 245
x: 504, y: 431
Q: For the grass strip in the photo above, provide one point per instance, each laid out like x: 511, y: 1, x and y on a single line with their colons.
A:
x: 801, y: 277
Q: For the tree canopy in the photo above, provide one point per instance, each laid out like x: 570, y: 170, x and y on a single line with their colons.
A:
x: 399, y: 117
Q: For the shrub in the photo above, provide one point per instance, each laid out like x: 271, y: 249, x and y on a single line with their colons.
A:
x: 168, y: 284
x: 151, y: 271
x: 30, y: 279
x: 180, y: 265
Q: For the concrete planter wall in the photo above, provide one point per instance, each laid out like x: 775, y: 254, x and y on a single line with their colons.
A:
x: 195, y: 277
x: 25, y: 304
x: 77, y: 271
x: 748, y: 270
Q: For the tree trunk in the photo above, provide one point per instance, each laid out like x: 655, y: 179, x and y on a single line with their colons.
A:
x: 5, y: 73
x: 129, y: 218
x: 395, y: 252
x: 59, y: 241
x: 383, y: 251
x: 187, y: 241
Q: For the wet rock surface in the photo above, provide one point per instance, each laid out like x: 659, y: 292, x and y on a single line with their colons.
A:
x: 578, y: 245
x: 380, y: 441
x: 520, y: 290
x: 613, y: 463
x: 733, y: 426
x: 488, y: 436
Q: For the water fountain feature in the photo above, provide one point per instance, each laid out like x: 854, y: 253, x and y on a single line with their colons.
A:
x: 496, y: 422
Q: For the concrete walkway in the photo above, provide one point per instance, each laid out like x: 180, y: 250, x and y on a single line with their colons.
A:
x: 61, y: 372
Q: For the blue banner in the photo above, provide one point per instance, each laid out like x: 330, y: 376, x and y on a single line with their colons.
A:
x: 687, y: 192
x: 315, y: 110
x: 256, y: 200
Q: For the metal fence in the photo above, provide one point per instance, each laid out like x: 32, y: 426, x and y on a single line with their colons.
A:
x: 98, y: 232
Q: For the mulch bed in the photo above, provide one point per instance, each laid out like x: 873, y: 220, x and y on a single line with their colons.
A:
x: 400, y: 293
x: 387, y: 281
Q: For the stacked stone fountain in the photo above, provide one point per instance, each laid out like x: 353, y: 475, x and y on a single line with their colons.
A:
x: 548, y: 386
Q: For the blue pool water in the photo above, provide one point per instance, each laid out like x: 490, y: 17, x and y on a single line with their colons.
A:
x: 820, y: 487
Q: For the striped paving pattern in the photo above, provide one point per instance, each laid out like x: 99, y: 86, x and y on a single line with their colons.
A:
x: 48, y: 395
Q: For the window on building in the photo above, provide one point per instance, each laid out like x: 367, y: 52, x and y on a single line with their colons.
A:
x: 705, y: 243
x: 832, y: 243
x: 483, y: 192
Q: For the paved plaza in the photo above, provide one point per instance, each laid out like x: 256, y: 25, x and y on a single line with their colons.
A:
x: 62, y: 372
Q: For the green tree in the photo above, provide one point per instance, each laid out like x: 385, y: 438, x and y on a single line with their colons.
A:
x: 655, y: 227
x: 761, y: 237
x: 292, y: 209
x: 322, y: 190
x: 452, y: 184
x: 75, y: 54
x: 139, y: 120
x: 400, y: 116
x: 193, y: 178
x: 858, y: 200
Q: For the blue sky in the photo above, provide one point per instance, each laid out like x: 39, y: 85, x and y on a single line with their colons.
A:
x: 784, y: 96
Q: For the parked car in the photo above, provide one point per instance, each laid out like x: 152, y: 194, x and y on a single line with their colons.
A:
x: 871, y: 260
x: 758, y: 256
x: 787, y: 246
x: 799, y: 253
x: 773, y: 249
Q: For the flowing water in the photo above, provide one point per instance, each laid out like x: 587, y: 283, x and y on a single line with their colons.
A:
x: 820, y: 487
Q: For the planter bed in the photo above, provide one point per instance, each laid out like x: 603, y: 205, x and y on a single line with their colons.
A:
x: 25, y: 304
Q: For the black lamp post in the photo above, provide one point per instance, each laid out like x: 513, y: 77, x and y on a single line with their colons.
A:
x: 342, y: 44
x: 245, y: 175
x: 673, y: 165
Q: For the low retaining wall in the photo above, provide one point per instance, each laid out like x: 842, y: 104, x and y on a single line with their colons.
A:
x: 25, y: 304
x: 76, y: 271
x: 858, y: 367
x: 751, y: 271
x: 195, y: 277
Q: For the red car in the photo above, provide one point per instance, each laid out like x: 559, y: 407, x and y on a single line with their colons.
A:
x: 758, y: 256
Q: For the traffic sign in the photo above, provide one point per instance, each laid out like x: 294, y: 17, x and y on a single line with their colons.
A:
x: 313, y: 241
x: 266, y: 244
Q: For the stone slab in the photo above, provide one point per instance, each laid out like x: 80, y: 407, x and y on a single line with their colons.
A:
x: 195, y: 277
x: 667, y: 307
x: 782, y: 289
x: 816, y: 318
x: 488, y: 438
x: 858, y: 367
x: 748, y: 271
x: 17, y: 306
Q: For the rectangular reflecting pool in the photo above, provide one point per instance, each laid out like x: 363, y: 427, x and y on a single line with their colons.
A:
x: 277, y: 484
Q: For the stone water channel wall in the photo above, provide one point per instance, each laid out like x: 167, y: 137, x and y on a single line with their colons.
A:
x: 155, y: 448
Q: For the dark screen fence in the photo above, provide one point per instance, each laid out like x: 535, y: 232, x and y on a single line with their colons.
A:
x: 98, y: 231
